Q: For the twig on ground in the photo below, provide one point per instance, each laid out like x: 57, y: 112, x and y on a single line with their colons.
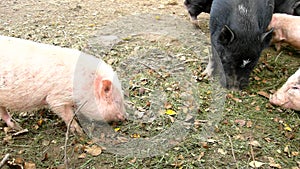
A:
x: 3, y: 161
x: 232, y: 151
x: 67, y: 133
x: 278, y: 56
x: 20, y: 132
x: 152, y: 69
x: 252, y: 153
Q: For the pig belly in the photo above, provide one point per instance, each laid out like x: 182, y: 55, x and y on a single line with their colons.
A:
x: 31, y: 75
x: 23, y: 90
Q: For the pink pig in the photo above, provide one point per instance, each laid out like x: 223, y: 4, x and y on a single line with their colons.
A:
x: 288, y: 96
x: 35, y: 75
x: 286, y: 29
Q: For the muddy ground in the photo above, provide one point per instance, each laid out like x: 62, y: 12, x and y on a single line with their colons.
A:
x: 249, y: 128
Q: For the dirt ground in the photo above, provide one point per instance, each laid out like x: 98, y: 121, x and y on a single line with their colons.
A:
x: 250, y: 129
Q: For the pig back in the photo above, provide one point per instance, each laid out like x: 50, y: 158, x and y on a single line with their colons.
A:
x: 31, y: 72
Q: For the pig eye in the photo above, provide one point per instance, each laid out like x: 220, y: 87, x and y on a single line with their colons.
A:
x: 295, y: 88
x: 245, y: 62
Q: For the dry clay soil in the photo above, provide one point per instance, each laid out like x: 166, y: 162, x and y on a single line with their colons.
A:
x: 70, y: 23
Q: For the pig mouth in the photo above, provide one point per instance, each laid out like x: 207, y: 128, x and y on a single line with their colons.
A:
x: 275, y: 101
x: 236, y: 84
x: 286, y: 104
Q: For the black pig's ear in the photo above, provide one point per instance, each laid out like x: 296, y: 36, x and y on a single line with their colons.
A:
x: 266, y: 38
x: 226, y: 36
x: 187, y: 2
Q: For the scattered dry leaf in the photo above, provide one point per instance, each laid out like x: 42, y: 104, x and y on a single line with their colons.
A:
x: 286, y: 149
x: 117, y: 129
x: 200, y: 156
x: 172, y: 2
x: 135, y: 135
x: 170, y: 112
x: 256, y: 164
x: 255, y: 143
x: 45, y: 142
x: 240, y: 122
x: 7, y: 130
x: 257, y: 108
x: 230, y: 96
x: 94, y: 150
x: 257, y: 78
x: 225, y: 122
x: 272, y: 163
x: 268, y: 139
x: 295, y: 153
x: 132, y: 161
x: 19, y: 160
x: 287, y: 127
x: 168, y: 105
x: 204, y: 145
x: 211, y: 140
x: 264, y: 94
x: 40, y: 122
x: 45, y: 157
x: 221, y: 151
x: 7, y: 139
x: 82, y: 156
x: 249, y: 124
x: 239, y: 137
x: 21, y: 152
x: 29, y: 165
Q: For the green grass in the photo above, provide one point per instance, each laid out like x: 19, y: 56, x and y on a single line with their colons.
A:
x: 228, y: 146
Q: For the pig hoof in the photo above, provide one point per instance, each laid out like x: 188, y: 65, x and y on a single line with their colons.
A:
x: 207, y: 72
x: 17, y: 127
x: 75, y: 128
x: 14, y: 125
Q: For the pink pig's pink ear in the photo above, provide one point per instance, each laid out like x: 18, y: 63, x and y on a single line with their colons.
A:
x: 103, y: 89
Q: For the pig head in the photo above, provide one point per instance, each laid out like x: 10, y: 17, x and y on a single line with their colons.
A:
x: 238, y: 35
x: 288, y: 96
x: 290, y: 7
x: 95, y: 81
x: 286, y: 30
x: 195, y: 7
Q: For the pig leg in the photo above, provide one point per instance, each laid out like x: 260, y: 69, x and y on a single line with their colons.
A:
x: 212, y: 63
x: 278, y: 46
x: 209, y: 68
x: 7, y: 119
x: 66, y: 113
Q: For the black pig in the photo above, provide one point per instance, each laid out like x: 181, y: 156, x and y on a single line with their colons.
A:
x: 195, y: 7
x: 291, y: 7
x: 238, y: 36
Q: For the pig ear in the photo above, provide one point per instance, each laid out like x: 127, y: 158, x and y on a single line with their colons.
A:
x: 106, y: 89
x: 187, y: 2
x: 103, y: 89
x: 226, y: 36
x: 266, y: 38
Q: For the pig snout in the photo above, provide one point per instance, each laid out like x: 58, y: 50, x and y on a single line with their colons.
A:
x: 115, y: 116
x: 278, y: 99
x: 288, y: 100
x: 288, y: 96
